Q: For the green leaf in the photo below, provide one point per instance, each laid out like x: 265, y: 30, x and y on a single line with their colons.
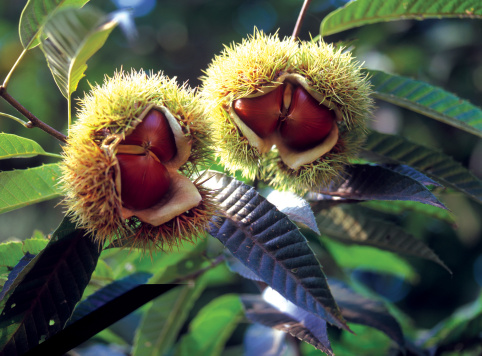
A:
x: 354, y: 226
x: 461, y: 327
x: 363, y: 12
x: 13, y: 146
x: 271, y: 246
x: 383, y: 147
x: 212, y: 326
x: 163, y: 320
x: 24, y: 187
x: 370, y: 259
x: 43, y: 296
x: 12, y: 251
x: 398, y: 207
x: 34, y: 16
x: 72, y: 37
x: 427, y: 100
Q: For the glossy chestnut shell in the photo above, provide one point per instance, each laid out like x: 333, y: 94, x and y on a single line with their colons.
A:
x: 144, y: 178
x: 289, y: 111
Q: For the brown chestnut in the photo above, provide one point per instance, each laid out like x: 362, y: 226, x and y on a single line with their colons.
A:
x: 261, y: 113
x: 154, y: 134
x: 144, y: 180
x: 307, y: 123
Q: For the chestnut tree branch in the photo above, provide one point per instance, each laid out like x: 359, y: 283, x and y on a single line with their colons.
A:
x: 301, y: 17
x: 33, y: 120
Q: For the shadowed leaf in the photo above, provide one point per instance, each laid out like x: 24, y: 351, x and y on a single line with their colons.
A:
x: 274, y: 311
x: 396, y: 149
x: 364, y: 12
x: 43, y: 296
x: 13, y: 146
x: 412, y: 173
x: 211, y: 327
x: 34, y: 16
x: 108, y: 293
x: 371, y: 182
x: 269, y: 244
x: 353, y: 225
x: 24, y: 187
x: 427, y: 100
x: 360, y: 310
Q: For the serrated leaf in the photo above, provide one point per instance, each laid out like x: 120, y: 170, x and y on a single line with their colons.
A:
x: 107, y: 294
x: 427, y: 100
x: 392, y: 148
x: 24, y: 187
x: 354, y: 226
x: 43, y: 296
x: 72, y: 37
x: 162, y: 321
x: 34, y: 16
x: 370, y: 259
x: 211, y: 327
x: 269, y: 244
x: 412, y: 173
x: 13, y: 146
x: 297, y: 323
x: 360, y: 310
x: 295, y: 207
x: 372, y: 182
x: 363, y: 12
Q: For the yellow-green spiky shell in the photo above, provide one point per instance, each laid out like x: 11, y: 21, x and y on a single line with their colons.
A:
x: 259, y: 62
x: 89, y: 170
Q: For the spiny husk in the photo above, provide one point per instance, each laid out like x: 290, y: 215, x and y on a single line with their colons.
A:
x: 258, y: 63
x: 89, y: 169
x: 186, y: 227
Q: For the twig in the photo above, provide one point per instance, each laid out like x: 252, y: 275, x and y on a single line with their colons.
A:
x: 20, y: 121
x: 198, y: 273
x: 301, y: 17
x: 33, y: 120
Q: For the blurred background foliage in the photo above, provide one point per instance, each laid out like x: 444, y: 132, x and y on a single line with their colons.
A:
x: 180, y: 37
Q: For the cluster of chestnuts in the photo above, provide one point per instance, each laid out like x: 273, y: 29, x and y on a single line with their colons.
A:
x: 290, y: 113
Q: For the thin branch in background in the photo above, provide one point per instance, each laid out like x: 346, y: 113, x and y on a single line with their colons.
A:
x: 33, y: 120
x: 301, y: 17
x: 200, y: 272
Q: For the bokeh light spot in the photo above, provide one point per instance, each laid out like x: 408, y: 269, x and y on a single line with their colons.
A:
x: 139, y: 7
